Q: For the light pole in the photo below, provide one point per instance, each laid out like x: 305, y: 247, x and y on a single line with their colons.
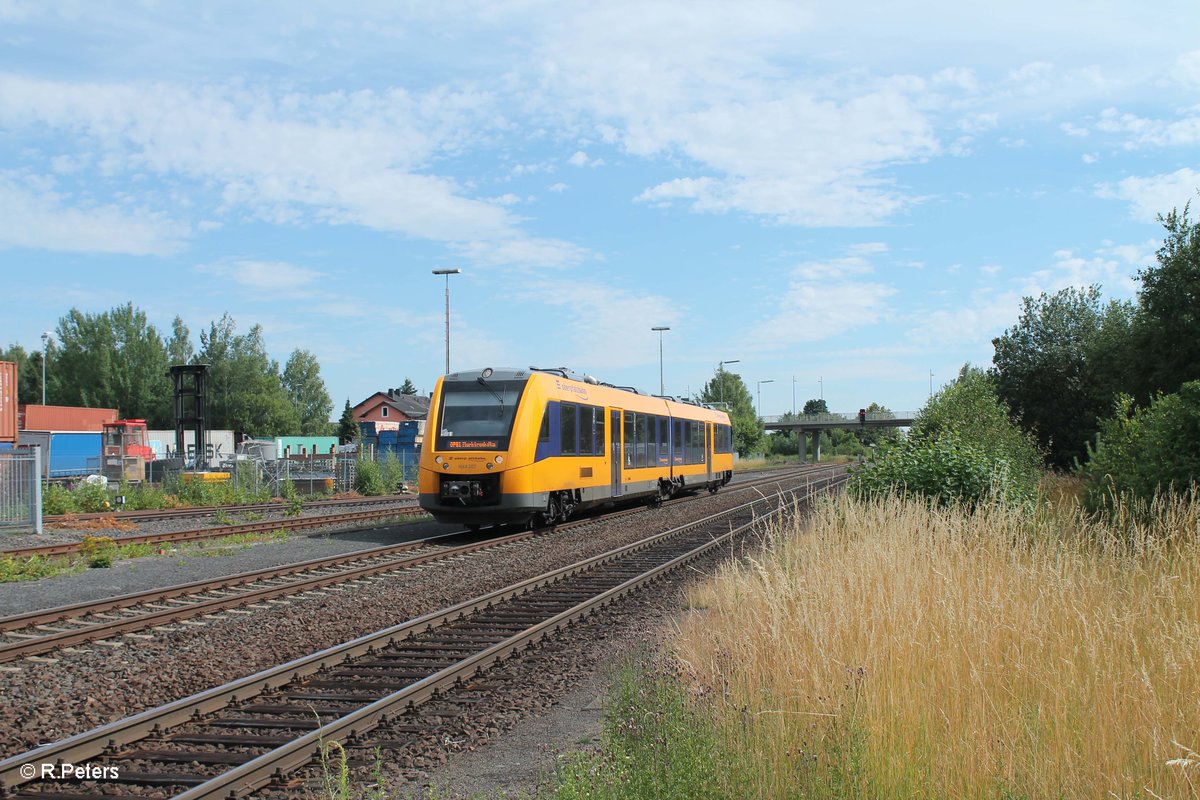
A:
x: 45, y: 347
x: 793, y: 395
x: 447, y: 273
x: 760, y: 383
x: 821, y: 382
x: 660, y: 330
x: 722, y: 376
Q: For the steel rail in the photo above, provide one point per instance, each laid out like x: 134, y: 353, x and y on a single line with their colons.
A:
x: 91, y: 744
x: 149, y: 514
x: 37, y: 634
x: 291, y: 524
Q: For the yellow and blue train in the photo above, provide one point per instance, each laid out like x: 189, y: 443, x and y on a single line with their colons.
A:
x: 537, y: 445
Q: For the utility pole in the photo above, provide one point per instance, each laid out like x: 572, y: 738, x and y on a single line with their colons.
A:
x: 447, y: 273
x: 660, y: 330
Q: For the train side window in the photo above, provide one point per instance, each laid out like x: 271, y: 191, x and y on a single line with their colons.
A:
x: 678, y: 441
x: 566, y: 427
x: 585, y: 429
x: 544, y: 431
x: 629, y: 439
x: 663, y: 437
x: 598, y: 431
x: 643, y: 441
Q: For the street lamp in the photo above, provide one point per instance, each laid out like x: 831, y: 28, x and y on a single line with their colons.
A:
x: 760, y: 383
x: 793, y: 395
x: 660, y: 357
x: 722, y: 377
x: 447, y: 273
x: 45, y: 347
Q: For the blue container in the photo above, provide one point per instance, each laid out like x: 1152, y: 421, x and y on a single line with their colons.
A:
x: 74, y: 454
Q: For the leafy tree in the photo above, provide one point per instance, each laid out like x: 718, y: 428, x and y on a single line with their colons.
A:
x: 408, y: 387
x: 816, y: 407
x: 245, y: 389
x: 347, y: 429
x: 179, y: 346
x: 302, y: 381
x: 112, y: 360
x: 1167, y: 329
x: 1142, y: 451
x: 728, y: 388
x: 970, y: 409
x: 1051, y: 367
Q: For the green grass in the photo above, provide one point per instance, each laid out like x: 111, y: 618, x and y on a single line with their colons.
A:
x: 100, y: 552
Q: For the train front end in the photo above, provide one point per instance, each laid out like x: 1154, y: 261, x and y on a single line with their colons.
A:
x: 475, y: 455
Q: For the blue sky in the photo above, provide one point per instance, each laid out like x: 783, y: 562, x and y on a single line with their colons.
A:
x: 851, y: 195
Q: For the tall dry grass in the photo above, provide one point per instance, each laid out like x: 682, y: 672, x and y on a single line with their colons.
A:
x: 892, y: 650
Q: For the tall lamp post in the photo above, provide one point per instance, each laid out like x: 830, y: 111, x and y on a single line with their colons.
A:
x: 45, y: 347
x: 722, y: 377
x: 447, y: 273
x: 760, y: 383
x: 660, y: 330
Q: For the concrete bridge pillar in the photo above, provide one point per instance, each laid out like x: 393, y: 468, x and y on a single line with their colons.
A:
x: 802, y: 436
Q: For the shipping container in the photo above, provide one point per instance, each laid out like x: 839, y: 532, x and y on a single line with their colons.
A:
x: 8, y: 402
x: 65, y: 454
x: 219, y: 444
x: 65, y: 418
x: 304, y: 445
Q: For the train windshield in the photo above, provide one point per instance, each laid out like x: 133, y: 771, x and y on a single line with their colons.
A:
x: 478, y: 414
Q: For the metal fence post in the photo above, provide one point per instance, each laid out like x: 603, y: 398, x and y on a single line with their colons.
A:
x: 35, y: 478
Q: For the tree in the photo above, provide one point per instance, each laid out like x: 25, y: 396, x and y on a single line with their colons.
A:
x: 245, y: 389
x: 408, y: 387
x: 303, y: 384
x: 728, y: 388
x: 1049, y: 368
x: 112, y: 360
x: 816, y: 407
x: 1143, y: 451
x: 1167, y: 329
x: 347, y: 429
x: 970, y: 409
x: 179, y: 346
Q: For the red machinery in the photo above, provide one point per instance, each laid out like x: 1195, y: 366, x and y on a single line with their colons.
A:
x: 125, y: 450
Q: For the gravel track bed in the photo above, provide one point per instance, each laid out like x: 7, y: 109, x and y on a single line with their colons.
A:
x: 506, y: 739
x: 49, y: 536
x: 192, y: 563
x: 45, y: 701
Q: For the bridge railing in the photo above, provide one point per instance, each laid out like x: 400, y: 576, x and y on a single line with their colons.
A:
x: 833, y: 417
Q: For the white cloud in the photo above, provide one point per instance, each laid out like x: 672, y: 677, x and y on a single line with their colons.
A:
x: 821, y: 301
x: 1154, y: 194
x: 527, y: 252
x: 38, y: 217
x: 582, y: 159
x: 339, y: 158
x: 617, y: 334
x: 274, y: 277
x: 557, y: 187
x: 1143, y: 132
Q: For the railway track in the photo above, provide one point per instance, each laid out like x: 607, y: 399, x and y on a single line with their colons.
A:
x: 149, y: 515
x: 266, y: 526
x: 44, y: 631
x: 258, y: 730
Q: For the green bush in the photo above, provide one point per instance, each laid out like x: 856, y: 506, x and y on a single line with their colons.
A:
x: 57, y: 499
x: 944, y: 470
x: 91, y: 497
x: 369, y: 479
x: 1141, y: 452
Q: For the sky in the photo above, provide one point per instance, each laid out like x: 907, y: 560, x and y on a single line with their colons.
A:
x: 848, y: 199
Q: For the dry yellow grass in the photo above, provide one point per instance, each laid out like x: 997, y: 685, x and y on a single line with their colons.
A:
x: 889, y: 650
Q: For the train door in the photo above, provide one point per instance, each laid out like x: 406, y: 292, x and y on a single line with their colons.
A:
x: 708, y: 448
x: 614, y: 446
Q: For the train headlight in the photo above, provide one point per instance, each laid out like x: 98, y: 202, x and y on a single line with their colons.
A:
x: 445, y: 466
x: 490, y: 465
x: 499, y: 459
x: 437, y: 459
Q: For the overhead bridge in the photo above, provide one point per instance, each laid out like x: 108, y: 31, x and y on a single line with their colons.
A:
x: 815, y: 423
